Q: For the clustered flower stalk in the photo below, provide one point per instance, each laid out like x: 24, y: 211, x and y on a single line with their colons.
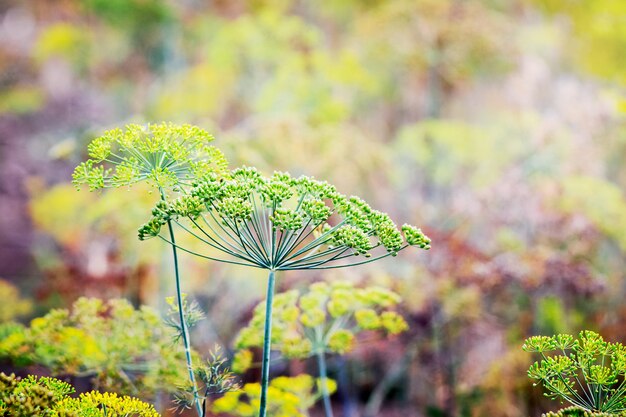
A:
x: 588, y: 372
x: 168, y: 157
x: 281, y: 223
x: 278, y: 223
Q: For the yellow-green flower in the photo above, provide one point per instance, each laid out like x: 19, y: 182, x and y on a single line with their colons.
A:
x: 164, y: 154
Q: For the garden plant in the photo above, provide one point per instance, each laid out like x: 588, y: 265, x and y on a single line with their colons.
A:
x: 587, y: 372
x: 278, y: 223
x: 92, y: 339
x: 169, y: 157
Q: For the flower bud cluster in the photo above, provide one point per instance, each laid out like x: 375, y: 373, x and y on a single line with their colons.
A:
x: 327, y: 318
x: 415, y: 237
x: 290, y: 206
x: 352, y: 237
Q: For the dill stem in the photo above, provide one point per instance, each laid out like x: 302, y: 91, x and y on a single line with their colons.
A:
x: 267, y: 344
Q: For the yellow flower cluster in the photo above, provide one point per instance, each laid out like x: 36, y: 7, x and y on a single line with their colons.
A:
x: 98, y: 404
x: 94, y: 337
x: 288, y: 397
x: 327, y: 318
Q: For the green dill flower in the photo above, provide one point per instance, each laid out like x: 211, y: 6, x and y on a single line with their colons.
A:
x: 367, y: 319
x: 587, y: 371
x: 169, y: 157
x: 164, y: 154
x: 282, y: 223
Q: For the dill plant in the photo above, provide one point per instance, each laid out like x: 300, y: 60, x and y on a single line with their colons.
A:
x: 93, y: 339
x: 169, y: 157
x: 587, y: 372
x: 325, y: 320
x: 280, y: 223
x: 50, y: 397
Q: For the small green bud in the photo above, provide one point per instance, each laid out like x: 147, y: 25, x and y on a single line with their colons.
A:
x: 415, y: 237
x: 286, y: 219
x: 352, y: 237
x: 234, y: 208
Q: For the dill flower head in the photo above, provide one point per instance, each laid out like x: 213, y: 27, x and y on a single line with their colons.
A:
x: 587, y: 371
x: 282, y: 222
x: 327, y: 318
x: 164, y: 154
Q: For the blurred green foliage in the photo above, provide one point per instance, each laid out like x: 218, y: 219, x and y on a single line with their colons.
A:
x: 21, y: 100
x: 14, y: 306
x: 599, y: 34
x: 120, y: 348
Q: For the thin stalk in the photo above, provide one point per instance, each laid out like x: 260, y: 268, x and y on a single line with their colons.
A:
x: 256, y: 224
x: 617, y: 394
x: 582, y: 388
x: 357, y: 263
x: 292, y: 242
x: 183, y: 324
x: 267, y: 344
x: 321, y: 363
x: 321, y: 239
x: 229, y: 249
x: 583, y: 403
x: 254, y: 265
x: 212, y: 242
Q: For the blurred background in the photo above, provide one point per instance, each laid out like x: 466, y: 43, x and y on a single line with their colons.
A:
x: 498, y: 126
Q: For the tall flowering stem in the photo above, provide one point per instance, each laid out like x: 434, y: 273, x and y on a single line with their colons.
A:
x: 183, y: 327
x: 267, y: 338
x: 321, y: 364
x: 280, y: 223
x: 169, y: 157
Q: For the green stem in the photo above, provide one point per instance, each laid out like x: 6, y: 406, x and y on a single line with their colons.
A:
x: 321, y: 363
x: 254, y: 265
x: 267, y: 344
x: 183, y: 323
